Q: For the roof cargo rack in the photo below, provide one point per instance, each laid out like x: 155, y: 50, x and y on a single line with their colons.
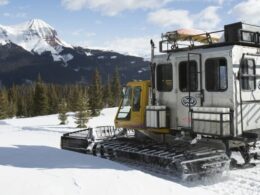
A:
x: 187, y: 39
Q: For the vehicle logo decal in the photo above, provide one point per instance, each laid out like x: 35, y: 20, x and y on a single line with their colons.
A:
x: 188, y: 100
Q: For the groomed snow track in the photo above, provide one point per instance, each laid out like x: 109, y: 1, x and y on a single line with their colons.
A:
x: 178, y: 159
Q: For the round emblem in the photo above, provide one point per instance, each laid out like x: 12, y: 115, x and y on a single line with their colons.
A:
x: 186, y: 101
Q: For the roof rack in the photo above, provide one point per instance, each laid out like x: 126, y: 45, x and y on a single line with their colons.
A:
x: 187, y: 39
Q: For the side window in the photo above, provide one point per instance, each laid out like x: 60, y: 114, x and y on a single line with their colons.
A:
x: 164, y: 77
x: 216, y: 74
x: 124, y: 111
x: 137, y: 99
x: 184, y: 77
x: 248, y: 81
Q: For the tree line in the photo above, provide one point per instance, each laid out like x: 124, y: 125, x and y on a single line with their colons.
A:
x: 41, y: 98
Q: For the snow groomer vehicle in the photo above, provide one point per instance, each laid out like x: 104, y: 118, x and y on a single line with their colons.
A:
x: 201, y: 104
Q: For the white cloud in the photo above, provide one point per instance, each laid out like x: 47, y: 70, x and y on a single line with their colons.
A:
x: 137, y: 46
x: 15, y: 15
x: 4, y: 2
x: 207, y: 19
x: 220, y: 2
x: 113, y: 7
x: 247, y: 11
x: 168, y: 18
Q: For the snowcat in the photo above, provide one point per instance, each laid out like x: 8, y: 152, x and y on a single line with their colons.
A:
x: 201, y: 104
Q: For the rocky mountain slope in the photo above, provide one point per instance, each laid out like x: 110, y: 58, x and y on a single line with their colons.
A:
x: 34, y: 47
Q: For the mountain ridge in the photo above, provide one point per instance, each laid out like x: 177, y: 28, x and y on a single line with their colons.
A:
x: 34, y: 47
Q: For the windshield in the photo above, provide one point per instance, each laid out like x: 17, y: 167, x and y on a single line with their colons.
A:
x: 124, y: 112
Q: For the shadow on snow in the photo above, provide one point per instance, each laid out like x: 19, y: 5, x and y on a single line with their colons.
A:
x: 44, y: 157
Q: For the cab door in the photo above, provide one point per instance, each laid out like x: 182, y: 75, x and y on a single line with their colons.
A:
x: 249, y: 109
x: 189, y: 93
x: 131, y: 113
x: 136, y: 112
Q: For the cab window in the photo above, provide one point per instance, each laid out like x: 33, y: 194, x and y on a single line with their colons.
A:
x: 216, y: 74
x: 136, y: 99
x: 125, y: 109
x: 164, y: 77
x: 184, y: 77
x: 247, y: 75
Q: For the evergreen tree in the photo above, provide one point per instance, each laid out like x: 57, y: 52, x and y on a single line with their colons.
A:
x: 22, y: 107
x: 29, y: 100
x: 12, y: 109
x: 3, y: 104
x: 63, y: 108
x: 74, y: 97
x: 40, y: 99
x: 53, y: 99
x: 12, y: 99
x: 82, y: 114
x: 107, y: 94
x: 116, y: 87
x: 95, y: 94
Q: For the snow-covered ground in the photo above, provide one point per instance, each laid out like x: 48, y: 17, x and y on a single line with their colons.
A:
x: 31, y: 162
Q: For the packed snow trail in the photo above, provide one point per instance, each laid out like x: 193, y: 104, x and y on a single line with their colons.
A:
x: 31, y: 162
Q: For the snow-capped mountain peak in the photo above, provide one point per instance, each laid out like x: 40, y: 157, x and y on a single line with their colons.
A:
x: 38, y: 24
x: 40, y: 27
x: 35, y: 36
x: 34, y: 24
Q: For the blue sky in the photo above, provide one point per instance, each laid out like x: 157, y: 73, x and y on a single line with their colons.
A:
x: 127, y: 25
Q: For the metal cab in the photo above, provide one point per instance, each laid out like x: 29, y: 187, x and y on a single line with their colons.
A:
x: 212, y: 89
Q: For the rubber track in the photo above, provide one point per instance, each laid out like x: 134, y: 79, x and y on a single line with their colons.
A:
x: 180, y: 159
